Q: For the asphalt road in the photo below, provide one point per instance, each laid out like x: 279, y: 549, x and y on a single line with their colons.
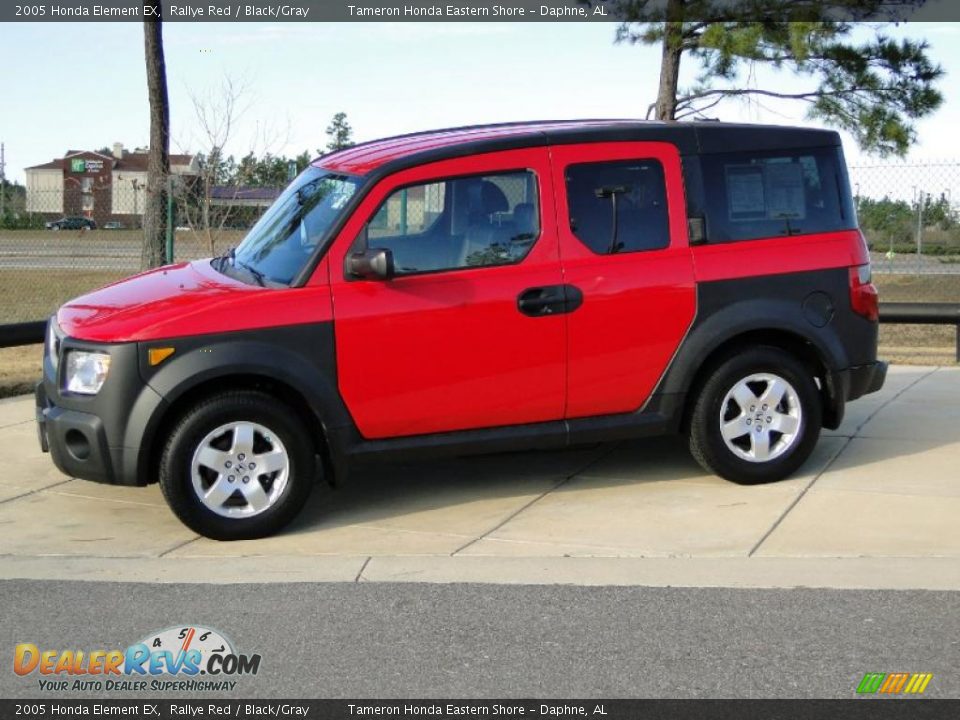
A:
x: 488, y: 641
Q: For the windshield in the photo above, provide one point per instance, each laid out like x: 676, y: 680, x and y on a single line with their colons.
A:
x: 279, y: 245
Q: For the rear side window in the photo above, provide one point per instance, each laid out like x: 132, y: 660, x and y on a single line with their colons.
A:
x: 618, y: 206
x: 761, y: 195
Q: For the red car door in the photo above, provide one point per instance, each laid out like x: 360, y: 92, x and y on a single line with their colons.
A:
x: 468, y: 333
x: 622, y: 225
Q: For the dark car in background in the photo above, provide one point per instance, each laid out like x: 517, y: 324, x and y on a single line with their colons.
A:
x: 72, y: 223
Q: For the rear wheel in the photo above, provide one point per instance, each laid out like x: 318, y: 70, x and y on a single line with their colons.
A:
x: 237, y: 466
x: 757, y: 418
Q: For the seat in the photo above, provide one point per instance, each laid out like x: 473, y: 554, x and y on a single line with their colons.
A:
x: 484, y: 200
x: 524, y: 220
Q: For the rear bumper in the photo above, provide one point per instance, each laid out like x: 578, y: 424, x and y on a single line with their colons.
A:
x: 864, y: 379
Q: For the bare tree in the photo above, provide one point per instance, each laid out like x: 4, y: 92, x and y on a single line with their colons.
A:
x: 209, y: 210
x: 158, y: 162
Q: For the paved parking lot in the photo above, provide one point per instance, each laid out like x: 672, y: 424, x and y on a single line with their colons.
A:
x: 876, y: 506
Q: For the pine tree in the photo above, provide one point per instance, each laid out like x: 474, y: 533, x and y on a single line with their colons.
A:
x: 875, y: 89
x: 340, y: 133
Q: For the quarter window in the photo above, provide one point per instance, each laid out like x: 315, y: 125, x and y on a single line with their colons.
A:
x: 761, y: 195
x: 618, y: 206
x: 475, y: 221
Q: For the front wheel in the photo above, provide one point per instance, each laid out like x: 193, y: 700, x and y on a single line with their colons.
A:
x: 237, y: 466
x: 757, y: 418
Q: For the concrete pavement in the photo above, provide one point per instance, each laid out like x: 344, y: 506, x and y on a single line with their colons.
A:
x: 876, y: 506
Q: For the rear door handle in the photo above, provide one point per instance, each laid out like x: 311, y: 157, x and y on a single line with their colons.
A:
x: 549, y: 300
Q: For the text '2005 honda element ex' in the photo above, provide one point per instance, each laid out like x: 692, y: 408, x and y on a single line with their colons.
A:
x: 481, y: 289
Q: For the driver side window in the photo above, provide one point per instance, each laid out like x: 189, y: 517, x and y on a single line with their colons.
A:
x: 476, y: 221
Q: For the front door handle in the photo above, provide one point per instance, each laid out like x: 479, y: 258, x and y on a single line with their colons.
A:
x: 549, y: 300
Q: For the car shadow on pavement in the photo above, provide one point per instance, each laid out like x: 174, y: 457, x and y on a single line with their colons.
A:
x: 505, y: 483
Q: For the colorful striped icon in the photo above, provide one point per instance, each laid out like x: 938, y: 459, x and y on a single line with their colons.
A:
x: 894, y: 683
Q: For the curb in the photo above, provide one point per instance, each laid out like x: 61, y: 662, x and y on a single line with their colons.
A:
x: 886, y: 573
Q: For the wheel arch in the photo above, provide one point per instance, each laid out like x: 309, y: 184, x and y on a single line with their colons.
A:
x: 750, y: 324
x: 200, y: 373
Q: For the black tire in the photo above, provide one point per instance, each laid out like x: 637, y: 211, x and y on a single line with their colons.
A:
x: 246, y: 406
x: 707, y: 444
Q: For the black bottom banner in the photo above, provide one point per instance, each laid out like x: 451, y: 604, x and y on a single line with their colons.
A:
x: 854, y: 709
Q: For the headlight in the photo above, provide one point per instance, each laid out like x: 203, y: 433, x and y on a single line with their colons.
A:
x: 86, y: 371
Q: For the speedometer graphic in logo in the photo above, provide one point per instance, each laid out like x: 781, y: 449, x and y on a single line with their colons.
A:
x: 181, y: 640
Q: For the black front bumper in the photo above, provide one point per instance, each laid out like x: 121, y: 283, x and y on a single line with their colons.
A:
x: 103, y: 437
x: 76, y: 441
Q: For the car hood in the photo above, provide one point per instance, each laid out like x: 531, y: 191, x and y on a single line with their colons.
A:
x: 173, y: 301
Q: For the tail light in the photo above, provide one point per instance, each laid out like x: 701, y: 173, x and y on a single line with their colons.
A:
x: 863, y: 293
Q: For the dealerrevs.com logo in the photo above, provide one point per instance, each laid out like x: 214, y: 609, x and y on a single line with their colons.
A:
x: 188, y: 659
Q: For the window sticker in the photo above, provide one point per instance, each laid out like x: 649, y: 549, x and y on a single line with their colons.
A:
x: 785, y: 192
x: 773, y: 190
x: 745, y: 192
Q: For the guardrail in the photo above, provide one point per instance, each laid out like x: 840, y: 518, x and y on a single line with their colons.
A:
x: 26, y: 333
x: 923, y: 314
x: 905, y: 313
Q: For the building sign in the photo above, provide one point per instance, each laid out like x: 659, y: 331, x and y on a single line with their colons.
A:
x: 79, y: 165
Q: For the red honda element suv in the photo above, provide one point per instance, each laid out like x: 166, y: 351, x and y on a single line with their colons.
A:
x: 481, y: 289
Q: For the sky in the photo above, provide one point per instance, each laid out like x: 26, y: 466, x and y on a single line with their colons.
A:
x: 83, y: 85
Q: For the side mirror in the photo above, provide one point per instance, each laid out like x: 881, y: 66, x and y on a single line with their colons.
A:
x: 696, y: 230
x: 371, y: 264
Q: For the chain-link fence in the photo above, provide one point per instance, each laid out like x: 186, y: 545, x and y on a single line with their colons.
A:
x: 909, y: 214
x: 59, y: 241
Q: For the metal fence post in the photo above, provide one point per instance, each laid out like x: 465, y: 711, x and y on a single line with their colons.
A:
x: 919, y: 229
x: 170, y: 228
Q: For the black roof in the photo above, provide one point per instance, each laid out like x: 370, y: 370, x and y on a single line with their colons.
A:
x: 382, y: 156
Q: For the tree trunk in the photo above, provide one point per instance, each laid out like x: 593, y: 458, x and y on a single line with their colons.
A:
x: 666, y: 106
x: 158, y: 163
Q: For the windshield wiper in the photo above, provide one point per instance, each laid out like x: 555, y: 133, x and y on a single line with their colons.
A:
x: 257, y: 275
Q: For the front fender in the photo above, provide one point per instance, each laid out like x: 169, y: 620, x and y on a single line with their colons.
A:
x: 301, y: 357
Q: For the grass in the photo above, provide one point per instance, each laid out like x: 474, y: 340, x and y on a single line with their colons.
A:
x: 19, y: 369
x: 34, y: 294
x: 27, y: 295
x: 918, y: 288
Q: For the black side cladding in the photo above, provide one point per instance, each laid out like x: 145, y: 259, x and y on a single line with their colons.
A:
x: 124, y: 421
x: 809, y: 308
x: 301, y: 357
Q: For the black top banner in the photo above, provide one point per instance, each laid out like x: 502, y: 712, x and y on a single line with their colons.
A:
x: 476, y: 10
x: 862, y: 709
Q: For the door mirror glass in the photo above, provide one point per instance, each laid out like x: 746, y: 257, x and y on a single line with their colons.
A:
x: 372, y: 264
